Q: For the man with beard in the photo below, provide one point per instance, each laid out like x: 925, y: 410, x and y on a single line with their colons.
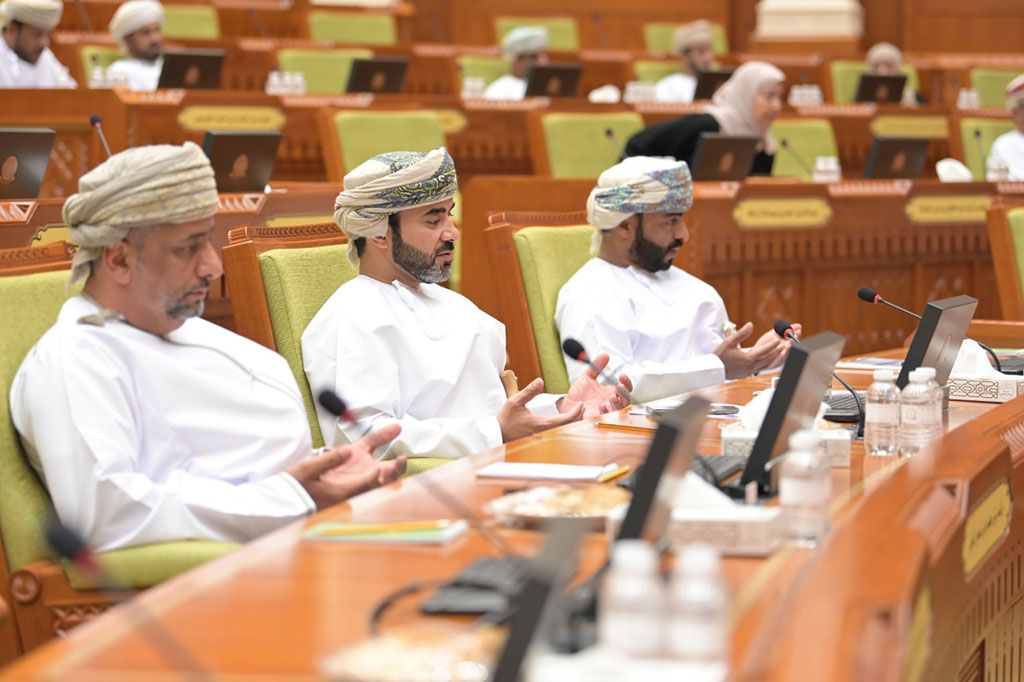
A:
x: 692, y: 44
x: 403, y: 349
x: 137, y: 26
x: 25, y: 57
x: 146, y: 423
x: 662, y: 326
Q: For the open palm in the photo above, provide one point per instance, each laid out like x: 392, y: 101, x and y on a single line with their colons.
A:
x: 595, y: 397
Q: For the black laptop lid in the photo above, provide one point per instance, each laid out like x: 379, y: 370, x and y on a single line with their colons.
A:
x: 939, y: 335
x: 242, y: 161
x: 24, y: 156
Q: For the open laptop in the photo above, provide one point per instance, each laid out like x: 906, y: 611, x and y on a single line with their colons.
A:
x: 554, y: 80
x: 24, y: 156
x: 379, y: 74
x: 896, y: 157
x: 709, y: 81
x: 191, y: 69
x: 882, y: 89
x: 723, y: 157
x: 242, y: 161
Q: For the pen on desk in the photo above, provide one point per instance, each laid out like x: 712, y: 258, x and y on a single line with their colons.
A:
x: 614, y: 473
x: 625, y: 427
x: 397, y: 527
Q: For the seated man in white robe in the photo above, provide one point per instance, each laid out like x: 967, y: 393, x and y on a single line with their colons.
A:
x: 25, y: 57
x: 145, y: 422
x: 692, y: 44
x: 137, y: 26
x: 665, y: 328
x: 404, y: 349
x: 1006, y: 157
x: 524, y: 47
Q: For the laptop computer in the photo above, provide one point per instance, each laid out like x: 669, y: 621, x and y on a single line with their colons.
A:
x: 379, y: 74
x: 24, y: 156
x: 939, y: 335
x: 553, y: 80
x: 723, y: 157
x: 242, y: 161
x: 709, y: 81
x: 191, y: 69
x: 896, y: 157
x: 882, y: 89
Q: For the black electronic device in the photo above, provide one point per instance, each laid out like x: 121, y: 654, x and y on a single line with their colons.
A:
x: 896, y: 157
x: 191, y: 69
x: 24, y: 156
x: 377, y: 75
x: 724, y: 157
x: 874, y: 87
x: 242, y: 161
x: 939, y: 335
x: 709, y: 81
x: 554, y: 80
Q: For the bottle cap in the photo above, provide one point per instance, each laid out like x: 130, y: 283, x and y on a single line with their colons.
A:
x: 634, y: 556
x: 697, y: 558
x: 883, y: 375
x: 917, y: 377
x: 804, y: 440
x: 929, y: 372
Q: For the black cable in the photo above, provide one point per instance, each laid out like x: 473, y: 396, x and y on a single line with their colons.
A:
x: 992, y: 353
x: 708, y: 468
x: 389, y: 600
x: 856, y: 399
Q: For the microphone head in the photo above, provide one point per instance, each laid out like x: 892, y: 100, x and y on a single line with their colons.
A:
x: 331, y: 402
x: 977, y: 133
x: 609, y: 133
x: 574, y: 349
x: 782, y: 328
x: 64, y: 541
x: 784, y: 143
x: 95, y: 120
x: 868, y: 295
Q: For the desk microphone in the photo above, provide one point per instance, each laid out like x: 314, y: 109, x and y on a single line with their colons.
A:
x: 976, y: 134
x: 784, y: 143
x: 574, y: 349
x: 97, y: 123
x: 869, y: 295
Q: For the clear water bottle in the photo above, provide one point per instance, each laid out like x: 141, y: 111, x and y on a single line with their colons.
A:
x: 805, y: 489
x: 698, y: 619
x: 631, y: 606
x: 938, y: 398
x: 882, y: 415
x: 920, y: 414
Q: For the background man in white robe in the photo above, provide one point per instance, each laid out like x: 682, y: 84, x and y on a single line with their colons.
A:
x: 1006, y: 158
x: 692, y: 44
x: 25, y: 57
x: 524, y: 47
x: 137, y: 26
x: 401, y: 347
x: 662, y: 326
x: 145, y: 422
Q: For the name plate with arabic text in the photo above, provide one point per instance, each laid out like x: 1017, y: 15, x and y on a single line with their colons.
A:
x: 986, y: 525
x: 248, y: 119
x: 954, y: 208
x: 767, y: 214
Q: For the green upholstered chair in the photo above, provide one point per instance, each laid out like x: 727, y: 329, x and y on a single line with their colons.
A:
x: 363, y: 134
x: 991, y: 85
x: 1015, y: 219
x: 196, y: 22
x: 98, y: 55
x: 548, y: 257
x: 326, y: 71
x: 658, y: 37
x: 988, y: 129
x: 480, y: 66
x: 653, y: 70
x: 846, y: 75
x: 578, y: 145
x: 353, y: 28
x: 562, y: 32
x: 809, y: 138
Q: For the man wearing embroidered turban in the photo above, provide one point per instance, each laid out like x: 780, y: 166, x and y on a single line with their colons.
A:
x: 404, y: 349
x: 691, y: 43
x: 25, y: 57
x: 137, y: 26
x: 145, y: 422
x: 1006, y: 157
x: 524, y: 47
x: 662, y: 326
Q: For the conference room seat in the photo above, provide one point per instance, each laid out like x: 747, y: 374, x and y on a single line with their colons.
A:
x: 352, y: 28
x: 977, y: 136
x: 579, y: 145
x: 653, y: 70
x: 1006, y: 239
x: 325, y: 71
x: 658, y: 37
x: 806, y: 139
x: 844, y: 77
x: 991, y: 85
x: 191, y: 21
x: 100, y: 56
x: 47, y: 598
x: 478, y: 66
x: 563, y: 34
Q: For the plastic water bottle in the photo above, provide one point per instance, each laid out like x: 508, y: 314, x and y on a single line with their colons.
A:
x: 920, y: 414
x: 882, y: 415
x: 805, y: 489
x: 938, y: 396
x: 631, y: 606
x: 698, y: 620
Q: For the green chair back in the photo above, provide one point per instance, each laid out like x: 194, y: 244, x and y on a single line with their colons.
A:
x: 658, y: 37
x: 1015, y: 218
x: 809, y: 138
x: 991, y: 85
x: 562, y: 32
x: 367, y: 133
x: 548, y: 257
x: 578, y: 145
x: 478, y: 66
x: 976, y: 149
x: 353, y: 28
x: 653, y: 70
x: 326, y: 71
x: 197, y: 22
x: 846, y: 75
x: 98, y: 55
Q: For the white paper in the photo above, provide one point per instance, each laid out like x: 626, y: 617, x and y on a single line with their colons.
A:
x: 548, y: 472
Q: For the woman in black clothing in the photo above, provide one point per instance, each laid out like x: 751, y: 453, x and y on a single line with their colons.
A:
x: 746, y: 104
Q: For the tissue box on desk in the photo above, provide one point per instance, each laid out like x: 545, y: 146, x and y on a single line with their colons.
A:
x: 740, y: 441
x: 985, y: 389
x: 736, y: 531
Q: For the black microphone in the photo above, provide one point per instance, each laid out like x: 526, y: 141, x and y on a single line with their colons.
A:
x: 976, y: 134
x: 784, y: 143
x: 97, y: 123
x: 785, y: 330
x: 574, y: 349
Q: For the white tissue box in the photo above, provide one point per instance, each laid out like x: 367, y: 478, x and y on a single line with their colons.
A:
x: 739, y: 441
x: 739, y: 530
x: 986, y: 390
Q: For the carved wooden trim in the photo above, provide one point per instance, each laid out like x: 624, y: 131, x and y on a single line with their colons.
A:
x: 18, y: 261
x: 862, y: 188
x: 25, y: 587
x: 263, y: 233
x: 240, y: 203
x: 66, y: 616
x: 526, y: 218
x: 16, y: 211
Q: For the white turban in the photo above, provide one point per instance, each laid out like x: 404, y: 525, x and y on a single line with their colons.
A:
x: 133, y: 15
x: 639, y: 184
x: 158, y: 185
x: 524, y: 40
x: 1015, y: 93
x: 43, y: 14
x: 689, y: 35
x: 389, y: 183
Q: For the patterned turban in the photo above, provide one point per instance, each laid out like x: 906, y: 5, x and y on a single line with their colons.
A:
x: 640, y: 184
x: 133, y: 15
x: 158, y: 185
x: 1015, y: 93
x: 389, y: 183
x: 43, y: 14
x: 524, y: 40
x: 689, y: 35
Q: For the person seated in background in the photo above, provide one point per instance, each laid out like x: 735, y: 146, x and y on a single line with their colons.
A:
x: 692, y: 44
x: 746, y: 104
x: 146, y: 423
x: 1006, y: 157
x: 665, y: 328
x: 885, y: 59
x: 137, y: 26
x: 400, y: 347
x: 25, y: 57
x: 524, y: 47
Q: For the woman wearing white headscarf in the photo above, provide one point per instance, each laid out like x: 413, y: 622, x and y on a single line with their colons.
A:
x: 745, y: 105
x: 885, y: 59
